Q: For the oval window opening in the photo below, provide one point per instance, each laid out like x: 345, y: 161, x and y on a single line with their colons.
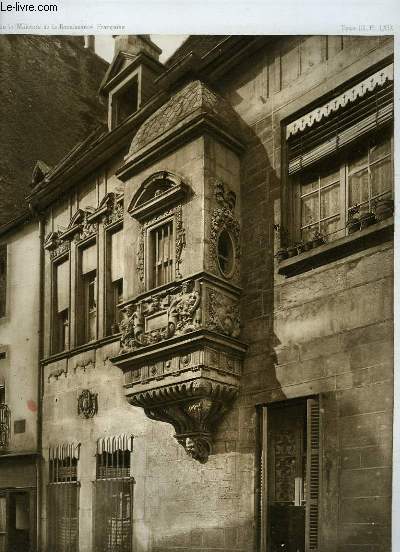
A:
x: 225, y: 253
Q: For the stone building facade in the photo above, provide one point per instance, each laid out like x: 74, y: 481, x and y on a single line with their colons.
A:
x: 40, y: 76
x: 217, y: 353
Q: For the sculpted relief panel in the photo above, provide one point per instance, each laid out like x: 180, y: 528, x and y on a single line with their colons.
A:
x: 185, y: 308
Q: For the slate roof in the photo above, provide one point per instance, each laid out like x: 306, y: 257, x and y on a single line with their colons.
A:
x: 198, y: 44
x: 195, y: 96
x: 48, y: 103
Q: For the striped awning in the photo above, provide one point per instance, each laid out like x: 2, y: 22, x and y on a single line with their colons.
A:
x: 369, y: 84
x: 117, y: 442
x: 64, y: 450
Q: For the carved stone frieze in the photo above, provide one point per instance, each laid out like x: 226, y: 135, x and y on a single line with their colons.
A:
x: 55, y: 246
x: 223, y: 314
x: 223, y: 218
x: 87, y: 404
x: 114, y: 208
x: 161, y: 316
x: 86, y: 229
x: 193, y: 409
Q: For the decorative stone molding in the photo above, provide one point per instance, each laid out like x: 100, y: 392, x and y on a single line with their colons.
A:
x: 182, y: 357
x: 223, y: 314
x: 180, y: 241
x: 157, y: 194
x: 55, y: 245
x: 161, y: 316
x: 192, y: 409
x: 57, y: 371
x: 110, y: 209
x: 87, y: 404
x: 223, y: 218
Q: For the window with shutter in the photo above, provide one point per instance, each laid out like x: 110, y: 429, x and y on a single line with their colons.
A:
x: 63, y: 499
x: 113, y: 496
x: 114, y: 260
x: 61, y: 278
x: 87, y: 297
x: 340, y: 159
x: 289, y: 476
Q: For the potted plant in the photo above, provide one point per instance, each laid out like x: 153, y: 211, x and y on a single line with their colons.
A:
x: 383, y: 208
x: 292, y: 251
x: 307, y: 245
x: 366, y: 219
x: 353, y: 223
x: 317, y: 239
x: 281, y: 254
x: 300, y: 246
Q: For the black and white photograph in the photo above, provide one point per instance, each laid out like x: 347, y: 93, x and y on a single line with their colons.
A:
x: 196, y: 292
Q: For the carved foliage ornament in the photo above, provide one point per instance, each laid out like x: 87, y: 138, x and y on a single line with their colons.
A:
x: 223, y: 314
x: 193, y: 409
x: 87, y: 404
x: 179, y: 309
x: 223, y: 218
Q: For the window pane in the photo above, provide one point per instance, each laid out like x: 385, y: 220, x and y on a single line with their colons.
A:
x: 309, y: 183
x: 359, y: 159
x: 381, y: 177
x: 380, y: 149
x: 309, y: 209
x: 330, y: 228
x: 330, y: 201
x: 308, y: 233
x: 358, y: 187
x: 329, y: 177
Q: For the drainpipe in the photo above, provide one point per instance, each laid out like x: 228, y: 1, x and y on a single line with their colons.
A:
x: 39, y: 420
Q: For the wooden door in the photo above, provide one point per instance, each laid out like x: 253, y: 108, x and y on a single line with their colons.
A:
x: 3, y: 522
x: 287, y: 478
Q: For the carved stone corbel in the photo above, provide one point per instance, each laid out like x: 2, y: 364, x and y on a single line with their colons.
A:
x: 193, y: 409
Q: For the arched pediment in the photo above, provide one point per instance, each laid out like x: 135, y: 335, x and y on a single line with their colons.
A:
x: 158, y: 192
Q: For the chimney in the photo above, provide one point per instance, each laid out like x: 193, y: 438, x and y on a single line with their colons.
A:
x: 134, y: 44
x: 89, y: 42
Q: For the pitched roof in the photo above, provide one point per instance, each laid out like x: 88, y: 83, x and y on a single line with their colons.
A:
x: 198, y: 44
x: 49, y: 103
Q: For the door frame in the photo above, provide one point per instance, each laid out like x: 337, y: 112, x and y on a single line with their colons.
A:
x: 31, y: 491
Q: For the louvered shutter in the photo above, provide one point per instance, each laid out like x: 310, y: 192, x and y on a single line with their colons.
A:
x: 333, y: 133
x: 313, y: 474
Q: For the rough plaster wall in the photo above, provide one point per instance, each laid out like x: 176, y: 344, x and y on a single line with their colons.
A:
x: 20, y: 333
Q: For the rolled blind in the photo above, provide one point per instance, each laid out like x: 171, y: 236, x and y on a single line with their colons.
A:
x: 62, y: 286
x: 89, y: 259
x: 371, y: 112
x: 116, y: 256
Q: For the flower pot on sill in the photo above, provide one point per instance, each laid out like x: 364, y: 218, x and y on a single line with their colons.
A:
x: 281, y: 255
x: 308, y: 245
x: 353, y: 225
x: 367, y: 219
x: 384, y: 208
x: 292, y: 251
x: 300, y: 248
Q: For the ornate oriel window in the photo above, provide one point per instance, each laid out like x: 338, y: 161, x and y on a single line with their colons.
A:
x: 157, y: 207
x: 340, y: 160
x: 113, y: 495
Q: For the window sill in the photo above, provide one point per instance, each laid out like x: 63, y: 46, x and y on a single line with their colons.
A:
x: 329, y: 252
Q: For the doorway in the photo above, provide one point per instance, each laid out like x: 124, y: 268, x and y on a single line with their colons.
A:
x: 290, y: 476
x: 15, y: 521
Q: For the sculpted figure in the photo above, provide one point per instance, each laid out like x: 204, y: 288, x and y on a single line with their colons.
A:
x: 182, y: 313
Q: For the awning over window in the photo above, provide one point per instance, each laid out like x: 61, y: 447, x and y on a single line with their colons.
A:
x: 112, y: 444
x: 116, y: 256
x: 366, y: 107
x: 64, y: 450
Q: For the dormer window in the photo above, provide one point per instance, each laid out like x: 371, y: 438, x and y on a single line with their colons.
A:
x: 124, y: 101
